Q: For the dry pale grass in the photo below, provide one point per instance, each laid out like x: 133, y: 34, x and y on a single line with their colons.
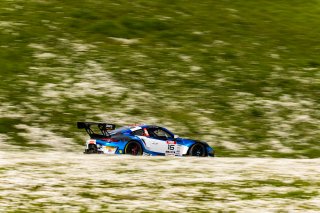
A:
x: 73, y: 182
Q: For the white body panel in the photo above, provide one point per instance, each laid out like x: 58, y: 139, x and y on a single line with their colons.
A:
x: 167, y: 147
x: 183, y: 150
x: 155, y: 145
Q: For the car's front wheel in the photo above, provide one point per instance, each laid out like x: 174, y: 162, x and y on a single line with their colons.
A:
x: 133, y: 148
x: 198, y: 149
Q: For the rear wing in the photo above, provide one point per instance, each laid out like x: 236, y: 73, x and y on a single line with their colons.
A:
x: 103, y: 127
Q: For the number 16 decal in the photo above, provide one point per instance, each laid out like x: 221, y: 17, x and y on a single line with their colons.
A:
x: 171, y: 146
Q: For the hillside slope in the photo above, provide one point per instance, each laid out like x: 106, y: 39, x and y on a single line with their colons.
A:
x: 244, y: 75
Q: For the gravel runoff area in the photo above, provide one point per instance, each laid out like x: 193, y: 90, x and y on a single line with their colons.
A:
x: 74, y: 182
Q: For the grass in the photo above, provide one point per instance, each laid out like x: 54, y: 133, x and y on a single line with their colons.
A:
x: 242, y: 73
x: 229, y: 184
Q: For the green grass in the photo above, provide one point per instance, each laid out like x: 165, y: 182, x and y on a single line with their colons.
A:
x: 194, y: 59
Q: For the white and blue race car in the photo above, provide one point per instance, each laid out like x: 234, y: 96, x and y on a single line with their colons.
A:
x: 141, y: 140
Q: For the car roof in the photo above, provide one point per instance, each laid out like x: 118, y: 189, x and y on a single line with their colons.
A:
x: 140, y: 125
x: 130, y: 127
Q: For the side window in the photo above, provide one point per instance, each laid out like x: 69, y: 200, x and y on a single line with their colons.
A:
x: 138, y: 132
x: 159, y: 133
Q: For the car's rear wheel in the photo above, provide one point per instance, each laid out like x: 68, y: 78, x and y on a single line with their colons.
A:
x: 198, y: 149
x: 133, y: 148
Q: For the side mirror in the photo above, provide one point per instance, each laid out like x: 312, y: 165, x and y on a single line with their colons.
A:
x: 176, y: 136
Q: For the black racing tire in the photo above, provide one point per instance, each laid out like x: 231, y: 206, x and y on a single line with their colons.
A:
x: 198, y: 150
x: 133, y: 148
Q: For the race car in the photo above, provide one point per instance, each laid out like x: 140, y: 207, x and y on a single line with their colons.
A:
x: 140, y: 139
